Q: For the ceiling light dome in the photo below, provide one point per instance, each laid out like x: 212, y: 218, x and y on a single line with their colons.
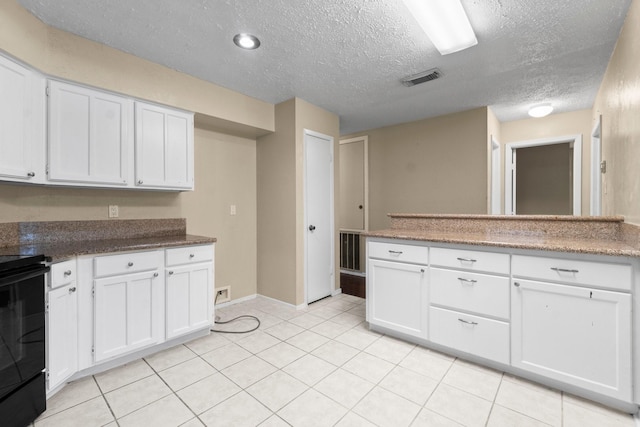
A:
x: 246, y: 41
x: 540, y: 110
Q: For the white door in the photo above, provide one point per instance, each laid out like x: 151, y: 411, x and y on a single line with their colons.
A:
x: 62, y: 335
x: 319, y: 242
x: 576, y: 335
x: 89, y: 135
x: 22, y: 123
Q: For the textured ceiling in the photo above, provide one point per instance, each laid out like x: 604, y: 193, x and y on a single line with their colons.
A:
x: 348, y: 56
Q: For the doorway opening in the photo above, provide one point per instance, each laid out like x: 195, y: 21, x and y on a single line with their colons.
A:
x: 353, y: 216
x: 544, y: 176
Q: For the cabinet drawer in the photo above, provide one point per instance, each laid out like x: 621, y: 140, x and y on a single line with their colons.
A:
x: 111, y: 265
x: 472, y: 334
x: 62, y: 273
x: 189, y: 255
x: 491, y: 262
x: 598, y: 274
x: 399, y: 252
x: 478, y: 293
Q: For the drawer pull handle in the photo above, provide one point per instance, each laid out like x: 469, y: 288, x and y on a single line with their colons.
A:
x: 467, y: 322
x: 564, y: 270
x: 466, y: 259
x: 130, y: 264
x: 395, y: 252
x: 471, y: 281
x: 191, y: 255
x: 72, y: 290
x: 67, y: 273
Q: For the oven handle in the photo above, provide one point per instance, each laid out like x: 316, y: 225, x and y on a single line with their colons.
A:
x: 25, y: 274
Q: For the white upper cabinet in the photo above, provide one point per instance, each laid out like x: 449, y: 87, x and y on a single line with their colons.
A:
x: 164, y: 148
x: 22, y: 123
x: 90, y: 136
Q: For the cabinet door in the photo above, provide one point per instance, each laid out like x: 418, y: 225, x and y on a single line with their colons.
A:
x: 189, y: 298
x: 62, y: 334
x: 577, y: 335
x: 164, y: 147
x: 22, y: 123
x: 89, y: 136
x: 128, y: 313
x: 397, y: 297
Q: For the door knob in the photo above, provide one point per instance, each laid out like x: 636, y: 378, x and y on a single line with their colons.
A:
x: 312, y: 227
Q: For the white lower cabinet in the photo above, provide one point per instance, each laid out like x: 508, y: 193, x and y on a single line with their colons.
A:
x: 561, y: 320
x: 128, y: 313
x: 61, y: 324
x: 397, y: 297
x: 577, y: 335
x: 188, y: 299
x: 476, y: 335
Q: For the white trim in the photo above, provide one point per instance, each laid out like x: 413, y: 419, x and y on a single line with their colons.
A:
x: 236, y: 301
x: 509, y: 199
x: 365, y: 139
x: 596, y: 175
x: 332, y: 225
x: 336, y: 292
x: 495, y: 177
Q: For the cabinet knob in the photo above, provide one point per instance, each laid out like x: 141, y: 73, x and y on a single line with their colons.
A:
x: 191, y: 255
x: 67, y: 273
x: 516, y: 284
x: 139, y: 182
x: 170, y: 273
x: 31, y: 174
x: 130, y: 264
x: 155, y: 274
x: 72, y: 290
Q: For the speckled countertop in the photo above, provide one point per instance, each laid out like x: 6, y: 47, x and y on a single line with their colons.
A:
x: 64, y: 239
x: 588, y: 235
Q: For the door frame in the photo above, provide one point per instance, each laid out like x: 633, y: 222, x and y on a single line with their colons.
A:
x: 307, y: 132
x: 495, y: 177
x: 510, y: 169
x: 365, y: 160
x: 596, y: 173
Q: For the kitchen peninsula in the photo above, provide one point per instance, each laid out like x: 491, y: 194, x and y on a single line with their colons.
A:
x: 117, y: 290
x: 549, y: 298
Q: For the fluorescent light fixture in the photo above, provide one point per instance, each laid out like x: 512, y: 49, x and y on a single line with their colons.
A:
x: 246, y: 41
x: 540, y: 110
x: 445, y: 22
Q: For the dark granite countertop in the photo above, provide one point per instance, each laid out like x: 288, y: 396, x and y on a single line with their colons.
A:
x: 60, y: 240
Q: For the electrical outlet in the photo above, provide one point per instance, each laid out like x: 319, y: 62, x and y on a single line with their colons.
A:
x: 232, y: 210
x: 223, y: 294
x: 113, y: 211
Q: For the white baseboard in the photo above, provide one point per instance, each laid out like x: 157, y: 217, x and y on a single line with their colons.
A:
x: 236, y: 301
x: 277, y: 301
x: 336, y: 292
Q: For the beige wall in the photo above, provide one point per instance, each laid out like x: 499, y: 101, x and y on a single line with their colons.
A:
x: 225, y: 165
x: 618, y: 101
x: 436, y: 165
x: 544, y: 180
x: 563, y: 124
x: 277, y: 207
x: 226, y: 175
x: 67, y: 56
x: 281, y: 198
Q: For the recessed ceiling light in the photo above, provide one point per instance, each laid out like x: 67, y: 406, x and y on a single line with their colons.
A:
x: 246, y: 41
x: 540, y: 110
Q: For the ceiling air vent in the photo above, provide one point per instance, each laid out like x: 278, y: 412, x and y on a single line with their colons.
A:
x: 425, y: 76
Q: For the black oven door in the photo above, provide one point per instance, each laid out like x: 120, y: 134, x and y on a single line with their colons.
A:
x: 22, y: 334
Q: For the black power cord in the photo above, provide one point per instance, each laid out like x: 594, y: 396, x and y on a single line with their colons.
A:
x: 242, y: 316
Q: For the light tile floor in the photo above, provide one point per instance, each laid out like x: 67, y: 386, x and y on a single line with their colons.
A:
x: 315, y: 367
